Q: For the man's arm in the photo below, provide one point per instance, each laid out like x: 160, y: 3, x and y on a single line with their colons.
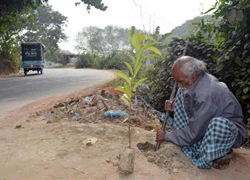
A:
x: 197, y: 126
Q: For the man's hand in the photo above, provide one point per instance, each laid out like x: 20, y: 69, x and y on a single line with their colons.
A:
x: 160, y: 136
x: 169, y: 105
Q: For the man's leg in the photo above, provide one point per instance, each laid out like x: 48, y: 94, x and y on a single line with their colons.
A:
x: 217, y: 142
x: 180, y: 116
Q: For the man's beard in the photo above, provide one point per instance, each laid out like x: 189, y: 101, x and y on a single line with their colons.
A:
x: 185, y: 89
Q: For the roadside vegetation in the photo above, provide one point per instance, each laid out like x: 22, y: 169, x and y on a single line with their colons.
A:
x: 32, y: 20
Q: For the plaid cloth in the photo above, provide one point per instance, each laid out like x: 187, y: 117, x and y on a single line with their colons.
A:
x: 217, y: 141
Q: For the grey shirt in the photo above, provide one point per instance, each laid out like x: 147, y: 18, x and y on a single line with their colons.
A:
x: 208, y: 98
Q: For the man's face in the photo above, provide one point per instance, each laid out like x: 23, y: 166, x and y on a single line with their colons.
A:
x: 182, y: 80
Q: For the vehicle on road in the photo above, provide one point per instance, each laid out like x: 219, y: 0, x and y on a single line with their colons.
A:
x: 32, y: 57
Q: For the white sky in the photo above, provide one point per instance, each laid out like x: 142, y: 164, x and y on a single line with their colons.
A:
x: 143, y: 14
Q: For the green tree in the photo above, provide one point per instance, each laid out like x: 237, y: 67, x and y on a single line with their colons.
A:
x: 231, y: 38
x: 102, y: 41
x: 85, y: 61
x: 90, y: 40
x: 115, y: 60
x: 12, y: 18
x: 115, y: 39
x: 47, y: 28
x: 95, y: 3
x: 14, y: 14
x: 17, y: 6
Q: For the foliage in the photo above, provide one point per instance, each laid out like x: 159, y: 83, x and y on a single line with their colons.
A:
x: 116, y: 38
x: 89, y: 40
x: 141, y: 44
x: 102, y: 41
x: 95, y: 3
x: 47, y: 28
x: 14, y: 14
x: 160, y: 77
x: 161, y: 38
x: 115, y: 60
x: 188, y: 27
x: 223, y: 43
x: 232, y: 39
x: 10, y: 26
x: 85, y: 61
x: 12, y: 19
x: 17, y: 6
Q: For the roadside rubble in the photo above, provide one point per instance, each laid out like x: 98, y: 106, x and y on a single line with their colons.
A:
x: 103, y: 105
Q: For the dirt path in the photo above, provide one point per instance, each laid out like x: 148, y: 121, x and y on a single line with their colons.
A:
x: 32, y: 148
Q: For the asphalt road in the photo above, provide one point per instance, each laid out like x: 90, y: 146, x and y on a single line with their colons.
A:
x: 17, y: 91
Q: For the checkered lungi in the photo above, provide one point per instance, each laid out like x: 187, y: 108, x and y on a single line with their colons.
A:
x: 217, y: 141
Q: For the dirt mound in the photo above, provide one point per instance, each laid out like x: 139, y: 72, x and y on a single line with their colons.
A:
x: 92, y: 107
x: 169, y: 157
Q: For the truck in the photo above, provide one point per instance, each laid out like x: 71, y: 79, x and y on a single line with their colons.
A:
x: 32, y: 57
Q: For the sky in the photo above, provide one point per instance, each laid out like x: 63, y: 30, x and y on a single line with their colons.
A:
x: 143, y: 14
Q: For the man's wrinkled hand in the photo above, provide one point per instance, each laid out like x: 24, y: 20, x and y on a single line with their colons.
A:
x: 160, y: 136
x: 169, y: 105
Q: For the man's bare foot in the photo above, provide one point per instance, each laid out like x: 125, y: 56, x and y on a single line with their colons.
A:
x: 223, y: 162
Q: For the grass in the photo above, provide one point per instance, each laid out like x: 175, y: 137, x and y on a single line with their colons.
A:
x: 115, y: 82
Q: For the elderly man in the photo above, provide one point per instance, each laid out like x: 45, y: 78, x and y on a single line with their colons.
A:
x: 208, y: 120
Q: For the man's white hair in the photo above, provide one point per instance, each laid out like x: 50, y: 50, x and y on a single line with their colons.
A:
x: 189, y: 65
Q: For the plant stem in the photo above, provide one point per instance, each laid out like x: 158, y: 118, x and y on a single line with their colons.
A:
x: 129, y: 137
